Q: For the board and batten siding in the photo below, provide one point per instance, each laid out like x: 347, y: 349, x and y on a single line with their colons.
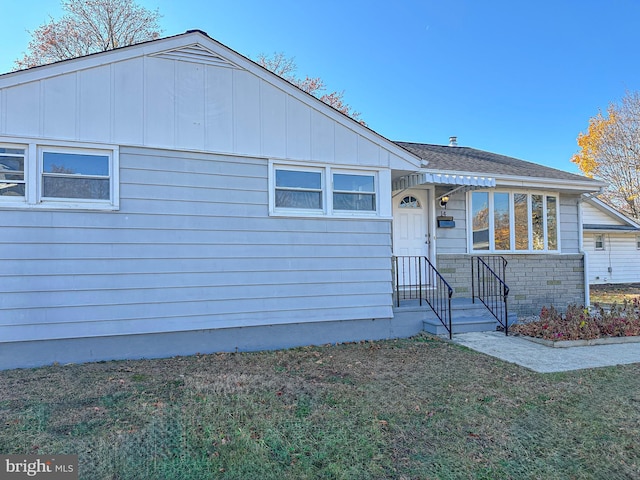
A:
x: 192, y: 247
x: 171, y: 103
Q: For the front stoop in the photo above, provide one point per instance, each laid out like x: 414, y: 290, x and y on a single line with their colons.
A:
x: 465, y: 317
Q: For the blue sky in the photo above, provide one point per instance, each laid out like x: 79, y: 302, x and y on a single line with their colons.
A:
x: 520, y: 78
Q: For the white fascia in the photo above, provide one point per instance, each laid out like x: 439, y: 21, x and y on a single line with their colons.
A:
x: 549, y: 183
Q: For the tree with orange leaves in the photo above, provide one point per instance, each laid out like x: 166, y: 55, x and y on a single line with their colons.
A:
x: 285, y: 67
x: 610, y: 151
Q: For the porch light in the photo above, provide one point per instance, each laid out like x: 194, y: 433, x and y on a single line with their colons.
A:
x: 443, y: 201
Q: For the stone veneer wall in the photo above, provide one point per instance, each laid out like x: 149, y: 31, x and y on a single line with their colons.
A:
x: 534, y: 280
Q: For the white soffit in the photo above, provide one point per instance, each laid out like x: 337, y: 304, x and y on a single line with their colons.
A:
x: 196, y: 54
x: 415, y: 179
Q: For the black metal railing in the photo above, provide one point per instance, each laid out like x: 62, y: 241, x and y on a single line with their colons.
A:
x: 417, y: 279
x: 488, y: 274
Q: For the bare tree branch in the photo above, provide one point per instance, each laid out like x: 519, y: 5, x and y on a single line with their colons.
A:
x: 90, y: 26
x: 286, y: 67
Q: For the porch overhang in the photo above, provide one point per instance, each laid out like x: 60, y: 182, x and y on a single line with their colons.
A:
x: 433, y: 178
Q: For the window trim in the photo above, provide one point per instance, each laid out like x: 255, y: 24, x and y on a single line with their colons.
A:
x: 512, y: 231
x: 327, y: 172
x: 33, y: 172
x: 42, y: 150
x: 600, y: 248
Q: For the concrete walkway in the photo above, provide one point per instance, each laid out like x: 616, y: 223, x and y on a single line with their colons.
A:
x: 543, y: 359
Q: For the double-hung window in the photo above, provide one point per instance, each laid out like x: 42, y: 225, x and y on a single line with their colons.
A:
x: 12, y: 179
x: 71, y: 174
x: 34, y: 175
x: 354, y: 192
x: 513, y: 221
x: 301, y: 190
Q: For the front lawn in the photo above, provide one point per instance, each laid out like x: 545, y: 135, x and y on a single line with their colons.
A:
x: 402, y: 409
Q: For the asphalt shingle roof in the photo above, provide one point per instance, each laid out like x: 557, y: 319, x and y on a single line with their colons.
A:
x: 465, y: 159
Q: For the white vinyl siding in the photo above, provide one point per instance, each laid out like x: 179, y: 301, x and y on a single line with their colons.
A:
x: 617, y: 262
x: 453, y: 240
x: 193, y: 247
x: 594, y: 216
x: 570, y: 228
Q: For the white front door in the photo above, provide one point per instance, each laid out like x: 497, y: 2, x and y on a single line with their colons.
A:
x: 410, y: 243
x: 410, y: 226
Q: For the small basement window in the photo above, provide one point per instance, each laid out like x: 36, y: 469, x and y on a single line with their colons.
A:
x: 599, y: 241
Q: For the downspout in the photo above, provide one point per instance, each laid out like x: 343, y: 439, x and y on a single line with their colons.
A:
x: 585, y: 257
x: 585, y: 263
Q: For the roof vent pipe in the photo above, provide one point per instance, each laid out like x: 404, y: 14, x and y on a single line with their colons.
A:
x: 453, y: 141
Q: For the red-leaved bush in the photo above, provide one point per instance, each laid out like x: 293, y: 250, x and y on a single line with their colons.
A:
x: 577, y: 323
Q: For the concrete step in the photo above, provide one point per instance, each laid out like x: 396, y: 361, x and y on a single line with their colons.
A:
x: 466, y: 316
x: 466, y: 325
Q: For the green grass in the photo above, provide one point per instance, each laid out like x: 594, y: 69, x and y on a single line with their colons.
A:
x: 416, y: 408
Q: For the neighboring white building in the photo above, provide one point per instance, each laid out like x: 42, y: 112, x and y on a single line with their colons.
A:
x: 174, y: 197
x: 612, y: 243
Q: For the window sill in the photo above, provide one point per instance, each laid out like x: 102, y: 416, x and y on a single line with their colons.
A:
x: 59, y: 206
x: 322, y: 215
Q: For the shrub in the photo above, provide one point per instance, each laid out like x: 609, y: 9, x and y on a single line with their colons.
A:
x: 577, y: 323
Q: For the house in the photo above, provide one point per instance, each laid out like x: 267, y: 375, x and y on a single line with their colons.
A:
x: 526, y: 213
x: 174, y: 197
x: 612, y: 243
